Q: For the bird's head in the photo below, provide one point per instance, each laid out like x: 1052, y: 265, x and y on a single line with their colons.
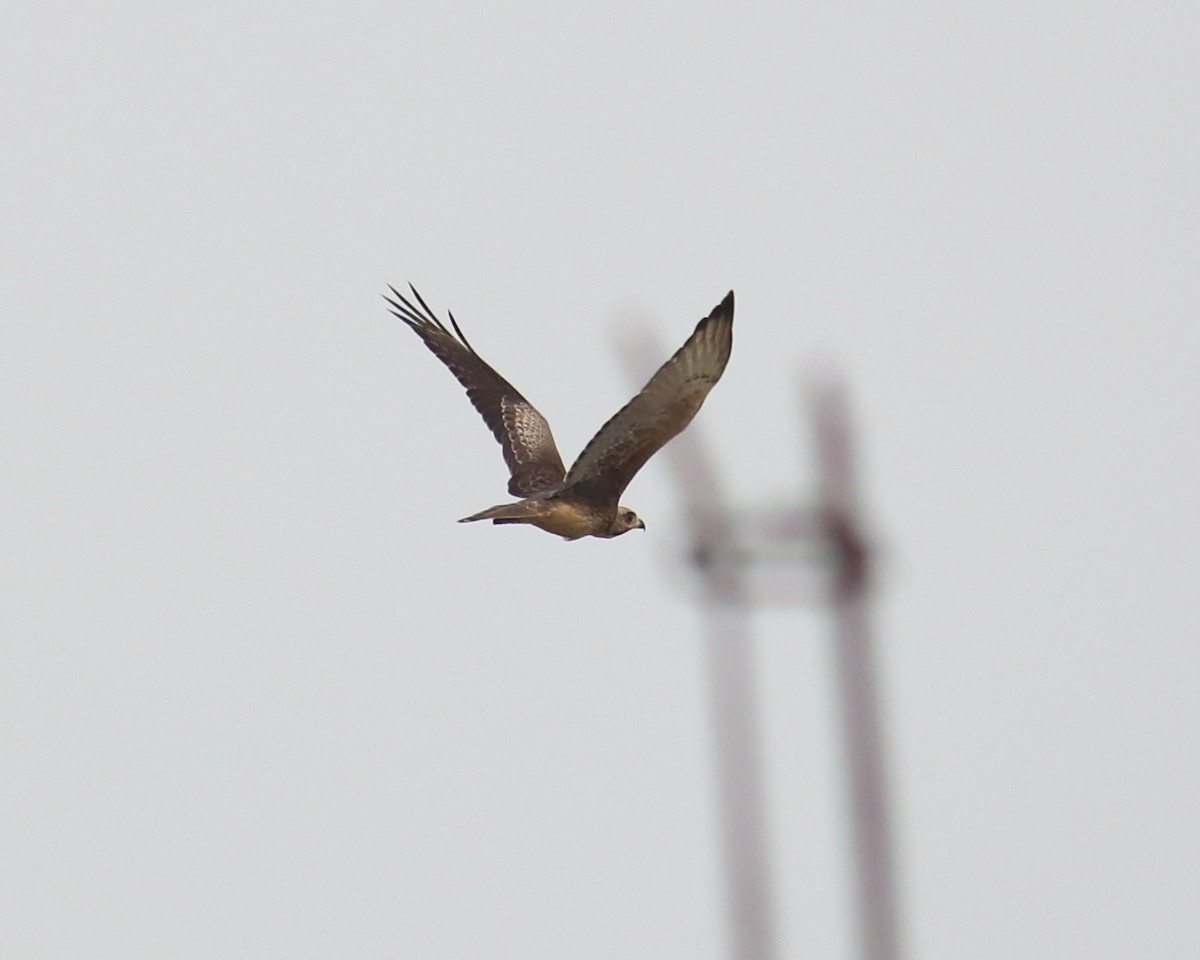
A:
x: 624, y: 521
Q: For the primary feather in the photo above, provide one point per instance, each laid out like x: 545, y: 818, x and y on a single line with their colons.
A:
x: 534, y: 463
x: 659, y: 412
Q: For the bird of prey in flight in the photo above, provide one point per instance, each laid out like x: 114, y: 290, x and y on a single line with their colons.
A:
x: 582, y: 501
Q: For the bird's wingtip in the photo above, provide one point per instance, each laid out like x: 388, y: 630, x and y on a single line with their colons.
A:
x: 722, y: 311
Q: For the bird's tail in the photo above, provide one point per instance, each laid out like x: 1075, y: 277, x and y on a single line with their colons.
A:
x: 518, y: 512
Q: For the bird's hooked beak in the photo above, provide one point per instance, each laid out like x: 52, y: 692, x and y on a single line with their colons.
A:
x: 641, y: 524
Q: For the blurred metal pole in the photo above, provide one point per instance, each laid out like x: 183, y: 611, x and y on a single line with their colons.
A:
x: 725, y: 552
x: 855, y: 659
x: 729, y: 661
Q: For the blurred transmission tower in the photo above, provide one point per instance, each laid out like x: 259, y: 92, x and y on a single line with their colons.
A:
x: 739, y: 559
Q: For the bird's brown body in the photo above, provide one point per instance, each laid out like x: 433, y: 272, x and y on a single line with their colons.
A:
x: 566, y: 518
x: 582, y: 501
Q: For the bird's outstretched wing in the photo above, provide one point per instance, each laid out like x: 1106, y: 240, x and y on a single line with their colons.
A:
x: 524, y: 435
x: 664, y: 407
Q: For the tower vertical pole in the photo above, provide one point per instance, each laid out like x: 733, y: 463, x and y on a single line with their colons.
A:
x: 733, y: 703
x: 854, y: 656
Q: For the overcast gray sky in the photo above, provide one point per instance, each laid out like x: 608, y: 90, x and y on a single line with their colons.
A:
x: 261, y: 697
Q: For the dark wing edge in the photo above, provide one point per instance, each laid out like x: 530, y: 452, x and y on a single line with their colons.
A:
x: 533, y: 460
x: 663, y: 408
